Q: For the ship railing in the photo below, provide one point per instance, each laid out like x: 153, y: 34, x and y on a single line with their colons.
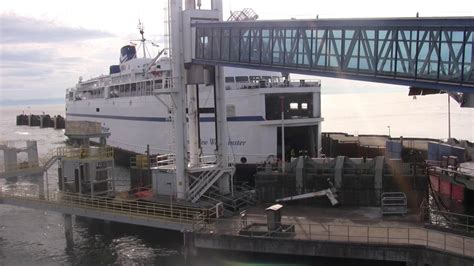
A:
x: 272, y: 84
x: 399, y: 235
x: 458, y: 171
x: 138, y: 209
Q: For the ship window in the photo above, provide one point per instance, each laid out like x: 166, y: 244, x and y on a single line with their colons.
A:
x: 229, y: 79
x: 97, y: 109
x: 294, y: 105
x: 242, y: 79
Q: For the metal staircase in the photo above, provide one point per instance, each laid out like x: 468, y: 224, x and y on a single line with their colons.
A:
x: 206, y: 180
x: 50, y: 159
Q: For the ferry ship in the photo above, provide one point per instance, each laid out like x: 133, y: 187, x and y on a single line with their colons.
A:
x: 131, y: 105
x: 451, y: 175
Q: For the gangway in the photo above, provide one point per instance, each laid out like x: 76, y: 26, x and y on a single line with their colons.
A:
x: 429, y: 53
x: 32, y: 166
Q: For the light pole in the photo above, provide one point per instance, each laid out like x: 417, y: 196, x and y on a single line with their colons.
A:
x: 449, y: 115
x: 282, y: 107
x: 171, y: 198
x: 389, y: 132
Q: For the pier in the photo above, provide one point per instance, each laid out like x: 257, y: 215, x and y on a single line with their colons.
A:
x: 344, y: 238
x: 337, y: 233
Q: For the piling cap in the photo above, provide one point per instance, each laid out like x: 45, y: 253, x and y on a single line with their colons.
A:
x: 274, y: 207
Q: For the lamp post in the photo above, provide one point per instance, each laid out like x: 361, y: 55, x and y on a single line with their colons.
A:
x: 171, y: 198
x: 449, y: 115
x: 282, y: 107
x: 389, y: 132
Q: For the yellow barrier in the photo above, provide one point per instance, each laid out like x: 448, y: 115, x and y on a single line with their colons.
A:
x: 173, y: 212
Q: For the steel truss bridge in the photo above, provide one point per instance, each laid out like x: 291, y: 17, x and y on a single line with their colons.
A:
x: 426, y: 53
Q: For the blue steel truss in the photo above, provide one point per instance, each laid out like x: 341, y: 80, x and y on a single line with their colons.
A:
x: 434, y: 53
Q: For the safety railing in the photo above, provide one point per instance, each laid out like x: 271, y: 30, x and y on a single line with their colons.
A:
x: 263, y: 83
x: 81, y: 152
x: 11, y: 167
x: 457, y: 222
x: 137, y: 209
x: 141, y: 161
x: 346, y: 233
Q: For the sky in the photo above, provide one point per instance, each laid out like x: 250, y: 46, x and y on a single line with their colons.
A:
x: 45, y: 46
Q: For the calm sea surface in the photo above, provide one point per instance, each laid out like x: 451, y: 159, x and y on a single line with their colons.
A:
x: 30, y: 237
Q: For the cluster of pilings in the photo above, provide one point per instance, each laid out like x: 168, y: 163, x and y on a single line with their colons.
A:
x: 42, y: 121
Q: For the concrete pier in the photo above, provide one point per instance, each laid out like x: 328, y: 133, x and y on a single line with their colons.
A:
x: 351, y: 233
x: 410, y: 254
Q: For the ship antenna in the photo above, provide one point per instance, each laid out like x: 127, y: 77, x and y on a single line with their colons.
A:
x: 141, y: 28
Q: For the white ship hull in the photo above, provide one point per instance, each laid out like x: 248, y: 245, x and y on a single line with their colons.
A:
x: 137, y: 121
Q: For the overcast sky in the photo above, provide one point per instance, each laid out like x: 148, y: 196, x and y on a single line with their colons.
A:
x: 46, y: 45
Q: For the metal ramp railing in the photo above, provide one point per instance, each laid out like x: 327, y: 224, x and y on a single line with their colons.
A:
x: 394, y: 203
x: 107, y: 205
x: 206, y: 180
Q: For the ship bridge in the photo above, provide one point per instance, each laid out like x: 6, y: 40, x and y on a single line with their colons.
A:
x: 428, y: 54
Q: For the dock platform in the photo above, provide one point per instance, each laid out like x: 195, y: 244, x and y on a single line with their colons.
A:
x: 356, y: 233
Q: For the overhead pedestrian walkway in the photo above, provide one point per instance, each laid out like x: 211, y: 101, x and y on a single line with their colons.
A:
x: 429, y: 53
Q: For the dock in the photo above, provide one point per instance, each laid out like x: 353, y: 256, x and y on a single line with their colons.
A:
x: 354, y: 233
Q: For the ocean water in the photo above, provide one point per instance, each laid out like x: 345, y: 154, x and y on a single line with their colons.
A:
x: 31, y: 237
x: 372, y: 113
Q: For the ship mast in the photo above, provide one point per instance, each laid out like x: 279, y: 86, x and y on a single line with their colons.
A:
x: 141, y: 28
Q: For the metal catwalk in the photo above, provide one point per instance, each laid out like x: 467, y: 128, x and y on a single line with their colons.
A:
x: 432, y: 53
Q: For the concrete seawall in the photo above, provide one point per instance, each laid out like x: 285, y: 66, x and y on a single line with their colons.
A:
x: 410, y: 254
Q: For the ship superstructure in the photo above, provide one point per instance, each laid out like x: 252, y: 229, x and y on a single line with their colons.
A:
x: 133, y: 104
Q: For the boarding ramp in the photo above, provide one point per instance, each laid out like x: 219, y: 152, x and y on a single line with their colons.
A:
x: 423, y: 53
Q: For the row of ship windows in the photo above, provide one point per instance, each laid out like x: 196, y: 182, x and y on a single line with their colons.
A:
x: 146, y: 88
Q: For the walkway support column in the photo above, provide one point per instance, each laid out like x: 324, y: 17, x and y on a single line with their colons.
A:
x: 221, y: 114
x: 68, y: 231
x: 40, y: 180
x: 178, y: 94
x: 221, y: 124
x: 193, y: 126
